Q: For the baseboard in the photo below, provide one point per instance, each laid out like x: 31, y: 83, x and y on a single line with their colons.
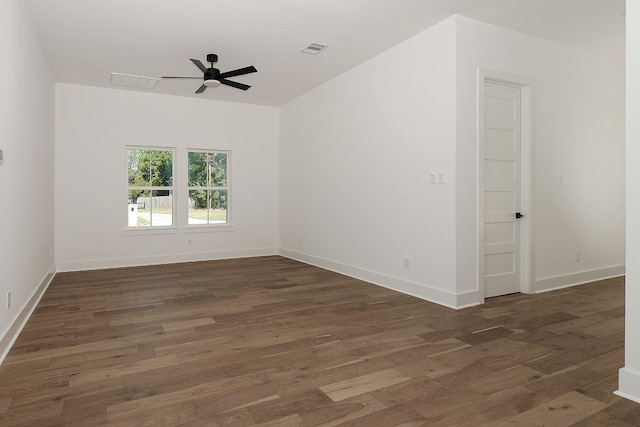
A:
x: 568, y: 280
x: 417, y: 290
x: 97, y: 264
x: 7, y: 340
x: 629, y: 384
x: 469, y: 299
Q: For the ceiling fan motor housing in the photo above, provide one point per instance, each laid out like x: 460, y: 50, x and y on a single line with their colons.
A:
x: 212, y: 57
x: 212, y: 74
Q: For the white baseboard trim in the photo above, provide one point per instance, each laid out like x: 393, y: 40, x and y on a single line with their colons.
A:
x: 98, y: 264
x: 469, y: 299
x: 417, y: 290
x: 12, y: 333
x: 568, y: 280
x: 628, y: 385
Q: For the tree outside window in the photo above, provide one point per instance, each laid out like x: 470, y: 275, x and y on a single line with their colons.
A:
x: 208, y: 187
x: 150, y: 187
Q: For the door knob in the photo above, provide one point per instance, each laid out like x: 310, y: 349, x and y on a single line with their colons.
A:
x: 519, y: 215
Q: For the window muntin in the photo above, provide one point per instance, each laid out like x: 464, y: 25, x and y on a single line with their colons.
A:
x: 208, y: 187
x: 150, y: 190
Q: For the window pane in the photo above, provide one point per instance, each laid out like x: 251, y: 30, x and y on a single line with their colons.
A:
x: 208, y: 206
x: 197, y: 169
x: 208, y: 170
x: 162, y: 168
x: 218, y: 169
x: 161, y: 208
x: 137, y: 210
x: 148, y: 168
x: 198, y: 207
x: 218, y: 207
x: 138, y: 167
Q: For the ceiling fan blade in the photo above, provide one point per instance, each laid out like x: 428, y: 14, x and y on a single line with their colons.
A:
x: 201, y: 89
x: 238, y: 72
x: 199, y: 64
x: 180, y: 77
x: 234, y: 84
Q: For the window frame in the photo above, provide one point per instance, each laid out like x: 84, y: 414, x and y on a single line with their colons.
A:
x: 228, y: 224
x: 172, y: 189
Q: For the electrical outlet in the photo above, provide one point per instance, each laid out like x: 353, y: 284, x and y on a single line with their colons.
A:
x: 8, y: 299
x: 299, y: 241
x: 440, y: 177
x: 406, y: 263
x: 578, y: 256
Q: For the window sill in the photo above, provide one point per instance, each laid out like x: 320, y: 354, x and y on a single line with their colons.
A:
x: 140, y: 231
x: 209, y: 228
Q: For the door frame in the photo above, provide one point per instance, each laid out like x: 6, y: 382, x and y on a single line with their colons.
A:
x: 527, y: 253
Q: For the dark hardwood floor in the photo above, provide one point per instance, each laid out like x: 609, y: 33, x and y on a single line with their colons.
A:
x: 273, y: 342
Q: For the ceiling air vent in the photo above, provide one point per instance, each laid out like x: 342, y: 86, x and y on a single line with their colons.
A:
x: 138, y: 82
x: 315, y: 48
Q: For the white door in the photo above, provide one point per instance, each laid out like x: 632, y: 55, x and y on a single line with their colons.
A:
x: 502, y: 163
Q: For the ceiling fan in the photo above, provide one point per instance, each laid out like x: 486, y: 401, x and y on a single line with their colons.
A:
x: 214, y: 78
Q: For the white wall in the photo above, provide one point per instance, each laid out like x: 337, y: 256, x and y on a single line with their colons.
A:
x: 355, y: 159
x: 356, y: 154
x: 629, y: 379
x: 26, y: 173
x: 93, y: 126
x: 578, y: 134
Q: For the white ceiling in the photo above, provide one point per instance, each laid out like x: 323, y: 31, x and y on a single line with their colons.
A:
x: 86, y: 40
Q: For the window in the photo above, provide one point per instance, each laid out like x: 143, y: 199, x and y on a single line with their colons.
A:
x: 208, y: 187
x: 150, y: 187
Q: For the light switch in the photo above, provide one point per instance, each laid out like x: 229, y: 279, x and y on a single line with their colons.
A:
x: 434, y: 177
x: 440, y: 177
x: 1, y: 156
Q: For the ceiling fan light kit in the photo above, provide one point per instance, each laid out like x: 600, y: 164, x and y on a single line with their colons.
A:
x: 212, y: 83
x: 212, y: 77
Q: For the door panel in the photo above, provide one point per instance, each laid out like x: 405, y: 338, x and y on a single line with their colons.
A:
x: 501, y: 159
x: 498, y: 140
x: 499, y: 232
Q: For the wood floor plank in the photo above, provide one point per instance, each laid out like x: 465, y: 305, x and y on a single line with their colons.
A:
x: 272, y: 341
x: 32, y: 414
x: 363, y: 384
x: 296, y: 404
x: 4, y: 404
x: 288, y: 421
x: 490, y: 410
x: 562, y: 382
x: 397, y: 416
x: 239, y: 418
x: 185, y: 324
x: 237, y: 399
x: 503, y: 379
x: 340, y: 412
x: 134, y: 407
x: 564, y: 410
x: 123, y: 369
x: 602, y: 419
x: 432, y: 407
x: 170, y: 415
x: 602, y: 390
x: 68, y: 394
x: 64, y: 351
x: 625, y: 410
